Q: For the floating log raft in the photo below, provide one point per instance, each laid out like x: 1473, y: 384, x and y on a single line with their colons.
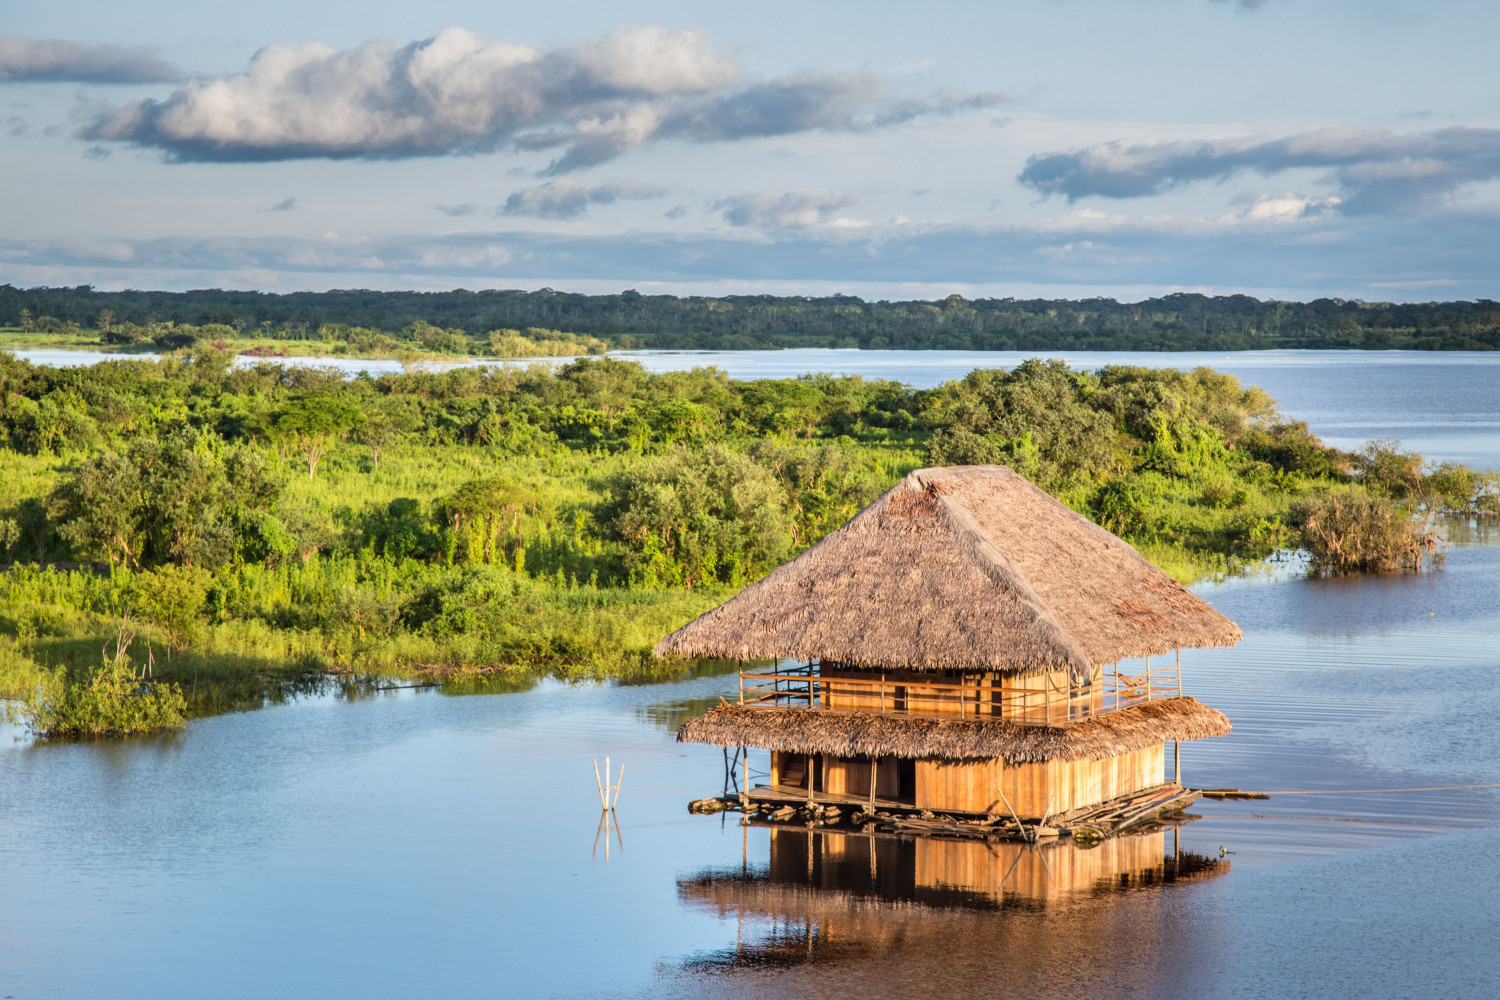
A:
x: 767, y: 805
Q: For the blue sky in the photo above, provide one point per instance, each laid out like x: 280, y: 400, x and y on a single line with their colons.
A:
x: 1286, y: 148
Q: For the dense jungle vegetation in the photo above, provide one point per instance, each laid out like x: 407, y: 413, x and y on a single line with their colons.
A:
x: 461, y: 322
x: 229, y: 534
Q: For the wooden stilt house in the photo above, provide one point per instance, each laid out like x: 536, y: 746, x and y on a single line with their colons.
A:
x: 966, y: 645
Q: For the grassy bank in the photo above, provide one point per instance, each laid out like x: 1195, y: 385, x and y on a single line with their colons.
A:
x: 268, y: 530
x: 413, y: 345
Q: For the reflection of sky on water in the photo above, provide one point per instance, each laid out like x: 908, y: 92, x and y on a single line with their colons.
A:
x: 413, y: 843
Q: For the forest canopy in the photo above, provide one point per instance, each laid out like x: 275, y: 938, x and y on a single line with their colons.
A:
x: 490, y: 321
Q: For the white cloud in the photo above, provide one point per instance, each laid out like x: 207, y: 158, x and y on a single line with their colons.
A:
x: 459, y: 93
x: 1374, y: 171
x: 792, y: 210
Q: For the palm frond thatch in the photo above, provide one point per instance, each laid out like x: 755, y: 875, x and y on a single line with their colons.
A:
x: 960, y: 568
x: 855, y: 734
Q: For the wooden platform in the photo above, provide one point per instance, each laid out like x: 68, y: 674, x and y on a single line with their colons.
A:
x: 791, y: 806
x: 783, y: 795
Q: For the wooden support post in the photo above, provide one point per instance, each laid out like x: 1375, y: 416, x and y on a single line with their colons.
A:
x: 1177, y: 761
x: 814, y: 761
x: 745, y: 783
x: 874, y: 779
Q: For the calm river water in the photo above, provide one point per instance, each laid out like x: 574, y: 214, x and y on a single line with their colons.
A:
x: 417, y: 844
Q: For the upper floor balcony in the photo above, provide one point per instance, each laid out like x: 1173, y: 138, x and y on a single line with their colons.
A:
x: 1040, y: 698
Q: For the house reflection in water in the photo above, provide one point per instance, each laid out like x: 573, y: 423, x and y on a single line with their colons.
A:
x: 823, y: 897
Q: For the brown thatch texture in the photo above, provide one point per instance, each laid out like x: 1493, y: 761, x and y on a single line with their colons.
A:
x: 854, y: 734
x: 967, y: 568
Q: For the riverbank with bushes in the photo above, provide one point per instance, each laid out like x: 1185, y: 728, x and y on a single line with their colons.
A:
x: 266, y: 530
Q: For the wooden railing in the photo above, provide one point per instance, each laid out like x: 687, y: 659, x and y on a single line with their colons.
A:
x: 1037, y: 699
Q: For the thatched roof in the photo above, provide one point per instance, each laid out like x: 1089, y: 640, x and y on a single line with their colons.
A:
x: 960, y: 568
x: 853, y: 734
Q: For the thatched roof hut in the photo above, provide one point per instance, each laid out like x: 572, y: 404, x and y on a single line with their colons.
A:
x: 960, y: 568
x: 854, y: 734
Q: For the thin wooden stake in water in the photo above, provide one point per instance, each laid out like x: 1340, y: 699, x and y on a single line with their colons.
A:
x: 609, y: 794
x: 606, y: 785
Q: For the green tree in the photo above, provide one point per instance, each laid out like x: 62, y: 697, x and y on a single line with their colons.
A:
x: 481, y: 511
x: 187, y: 498
x: 691, y: 517
x: 309, y: 425
x: 385, y: 422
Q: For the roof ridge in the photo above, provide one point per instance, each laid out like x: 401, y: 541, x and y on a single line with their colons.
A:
x: 1003, y: 571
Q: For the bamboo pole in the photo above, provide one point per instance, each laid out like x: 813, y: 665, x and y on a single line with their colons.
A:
x: 603, y: 804
x: 1020, y: 828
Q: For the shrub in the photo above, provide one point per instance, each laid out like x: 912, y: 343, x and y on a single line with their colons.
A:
x: 1350, y: 531
x: 186, y: 497
x: 113, y: 700
x: 959, y: 446
x: 171, y: 598
x: 1120, y: 506
x: 1386, y: 470
x: 1224, y: 494
x: 691, y: 517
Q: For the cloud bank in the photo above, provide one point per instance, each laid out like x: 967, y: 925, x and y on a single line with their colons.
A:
x: 459, y: 93
x: 1447, y: 255
x: 51, y: 60
x: 1374, y: 171
x: 568, y: 199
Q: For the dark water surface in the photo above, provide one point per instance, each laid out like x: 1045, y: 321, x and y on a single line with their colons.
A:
x: 415, y: 844
x: 1445, y: 405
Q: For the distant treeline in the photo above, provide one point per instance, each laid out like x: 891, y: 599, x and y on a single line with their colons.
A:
x: 1173, y: 322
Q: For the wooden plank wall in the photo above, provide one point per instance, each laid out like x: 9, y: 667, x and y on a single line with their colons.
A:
x: 852, y: 777
x: 975, y: 786
x: 985, y: 694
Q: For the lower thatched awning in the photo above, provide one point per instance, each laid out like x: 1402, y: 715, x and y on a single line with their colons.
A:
x: 857, y: 734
